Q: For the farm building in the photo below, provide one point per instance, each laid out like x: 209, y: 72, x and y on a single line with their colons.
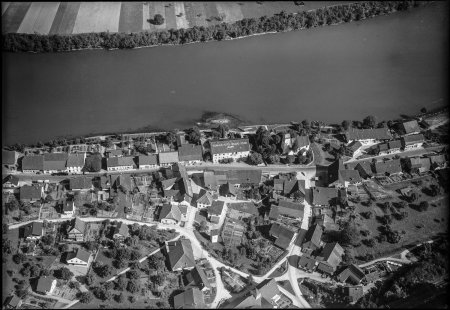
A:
x: 46, y: 285
x: 32, y: 164
x: 78, y: 257
x: 180, y: 254
x: 147, y: 162
x: 190, y: 154
x: 75, y: 162
x: 367, y: 136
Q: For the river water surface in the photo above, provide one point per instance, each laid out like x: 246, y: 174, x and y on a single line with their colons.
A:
x: 386, y: 66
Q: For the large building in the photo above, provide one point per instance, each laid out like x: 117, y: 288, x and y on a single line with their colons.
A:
x: 367, y: 136
x: 55, y: 162
x: 235, y: 148
x: 190, y: 154
x: 32, y: 164
x: 120, y: 163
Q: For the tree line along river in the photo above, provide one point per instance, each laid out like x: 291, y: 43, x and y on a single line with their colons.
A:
x: 386, y: 66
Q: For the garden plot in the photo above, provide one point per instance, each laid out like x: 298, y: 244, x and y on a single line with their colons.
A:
x: 230, y: 11
x: 64, y: 291
x: 180, y: 15
x: 97, y: 17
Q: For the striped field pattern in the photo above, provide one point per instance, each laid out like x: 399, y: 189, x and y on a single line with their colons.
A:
x: 81, y: 17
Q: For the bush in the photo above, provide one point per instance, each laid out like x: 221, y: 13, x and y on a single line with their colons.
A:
x: 423, y: 206
x: 369, y: 242
x: 158, y: 19
x: 85, y: 297
x: 63, y: 273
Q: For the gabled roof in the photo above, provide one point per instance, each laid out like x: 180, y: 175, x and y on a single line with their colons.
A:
x: 75, y: 160
x: 351, y: 176
x: 170, y: 193
x: 14, y: 301
x: 192, y: 298
x: 365, y: 166
x: 283, y: 235
x: 55, y: 161
x: 323, y: 195
x: 364, y: 134
x: 313, y: 235
x: 168, y: 157
x: 352, y: 271
x: 180, y: 254
x: 68, y: 205
x: 412, y: 139
x: 8, y: 157
x: 168, y: 183
x: 241, y: 176
x: 30, y: 192
x: 307, y: 262
x: 227, y: 189
x: 80, y: 183
x: 35, y: 162
x: 205, y: 198
x: 171, y: 212
x: 290, y: 186
x: 332, y: 254
x: 121, y: 229
x: 44, y: 284
x: 292, y: 209
x: 150, y: 159
x: 187, y: 152
x: 13, y: 179
x: 409, y: 127
x: 244, y: 207
x: 394, y: 144
x: 438, y: 159
x: 216, y: 208
x: 278, y: 184
x: 198, y: 277
x: 80, y: 254
x: 79, y: 225
x: 354, y: 146
x: 120, y: 161
x: 301, y: 141
x: 33, y: 229
x: 390, y: 166
x: 125, y: 181
x: 229, y: 146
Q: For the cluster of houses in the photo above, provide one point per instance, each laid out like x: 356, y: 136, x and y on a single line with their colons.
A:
x: 118, y: 160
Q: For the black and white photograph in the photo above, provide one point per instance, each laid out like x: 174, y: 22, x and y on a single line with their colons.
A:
x: 225, y: 155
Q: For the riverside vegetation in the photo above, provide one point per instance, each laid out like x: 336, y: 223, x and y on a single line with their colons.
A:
x: 281, y: 22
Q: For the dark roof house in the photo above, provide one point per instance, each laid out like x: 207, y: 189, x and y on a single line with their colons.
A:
x: 35, y: 162
x: 180, y: 254
x: 282, y: 234
x: 389, y: 167
x: 190, y: 152
x: 192, y: 298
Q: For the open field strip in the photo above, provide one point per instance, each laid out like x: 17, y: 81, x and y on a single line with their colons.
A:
x: 130, y: 17
x: 13, y: 16
x: 65, y: 18
x: 46, y: 17
x: 181, y: 21
x: 5, y: 6
x: 232, y: 11
x: 27, y: 25
x: 157, y: 8
x: 145, y: 16
x: 170, y: 15
x: 97, y: 17
x: 211, y: 12
x: 193, y: 9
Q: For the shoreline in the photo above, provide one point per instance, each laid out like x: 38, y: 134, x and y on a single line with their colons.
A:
x: 433, y: 112
x: 212, y: 39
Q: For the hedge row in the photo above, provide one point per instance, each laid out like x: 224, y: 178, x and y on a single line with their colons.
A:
x: 281, y: 22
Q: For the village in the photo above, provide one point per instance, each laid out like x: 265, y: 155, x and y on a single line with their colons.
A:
x: 255, y: 216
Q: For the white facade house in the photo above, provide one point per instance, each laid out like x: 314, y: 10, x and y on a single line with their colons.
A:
x: 78, y: 257
x: 46, y: 285
x: 75, y: 163
x: 235, y: 149
x: 367, y: 136
x: 32, y: 164
x: 34, y: 231
x: 412, y: 141
x: 120, y: 163
x: 68, y: 209
x: 148, y: 162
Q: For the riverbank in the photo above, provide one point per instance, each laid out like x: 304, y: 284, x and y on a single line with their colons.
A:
x: 281, y: 22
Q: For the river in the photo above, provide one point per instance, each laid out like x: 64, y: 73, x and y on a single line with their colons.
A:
x: 386, y: 66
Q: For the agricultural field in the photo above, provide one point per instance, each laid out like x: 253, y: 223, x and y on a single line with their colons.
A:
x: 82, y: 17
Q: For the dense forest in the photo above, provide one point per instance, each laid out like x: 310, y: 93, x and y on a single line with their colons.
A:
x: 281, y: 22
